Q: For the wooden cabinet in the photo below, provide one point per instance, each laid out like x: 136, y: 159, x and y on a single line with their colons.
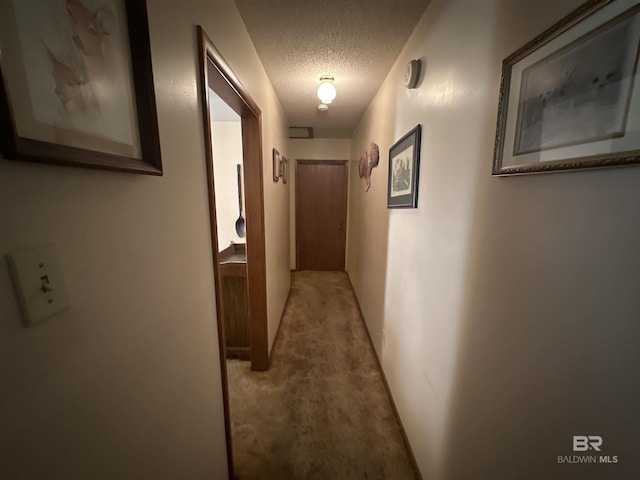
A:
x: 234, y: 304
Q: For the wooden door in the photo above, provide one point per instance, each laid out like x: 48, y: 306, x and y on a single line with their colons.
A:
x: 321, y: 214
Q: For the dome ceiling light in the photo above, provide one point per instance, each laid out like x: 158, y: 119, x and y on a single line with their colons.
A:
x: 326, y: 90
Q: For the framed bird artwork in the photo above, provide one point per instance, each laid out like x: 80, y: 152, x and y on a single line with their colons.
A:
x: 69, y: 90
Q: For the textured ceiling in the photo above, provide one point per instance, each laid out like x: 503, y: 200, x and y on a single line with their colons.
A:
x: 356, y: 41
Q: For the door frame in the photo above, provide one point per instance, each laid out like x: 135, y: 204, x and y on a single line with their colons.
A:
x: 215, y: 73
x: 297, y: 214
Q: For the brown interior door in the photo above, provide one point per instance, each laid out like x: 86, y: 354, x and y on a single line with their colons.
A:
x: 321, y: 214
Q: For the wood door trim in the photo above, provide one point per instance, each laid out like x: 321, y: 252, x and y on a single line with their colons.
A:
x: 297, y: 214
x: 215, y: 73
x: 228, y: 87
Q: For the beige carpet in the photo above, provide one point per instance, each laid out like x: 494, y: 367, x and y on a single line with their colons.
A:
x: 321, y: 411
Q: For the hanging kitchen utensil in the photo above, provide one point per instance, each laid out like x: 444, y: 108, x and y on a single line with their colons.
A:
x: 240, y: 223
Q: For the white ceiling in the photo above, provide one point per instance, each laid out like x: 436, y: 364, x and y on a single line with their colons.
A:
x: 356, y: 41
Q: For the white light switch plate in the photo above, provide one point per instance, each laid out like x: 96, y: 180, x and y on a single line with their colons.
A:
x: 37, y: 278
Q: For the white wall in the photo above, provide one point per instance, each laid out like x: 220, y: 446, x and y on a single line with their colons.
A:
x: 126, y: 384
x: 319, y: 148
x: 227, y: 154
x: 509, y: 305
x: 277, y: 226
x: 311, y: 149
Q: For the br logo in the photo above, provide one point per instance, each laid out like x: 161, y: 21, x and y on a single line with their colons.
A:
x: 582, y: 443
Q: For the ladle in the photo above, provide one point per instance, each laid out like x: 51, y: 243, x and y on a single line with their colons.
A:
x: 240, y: 223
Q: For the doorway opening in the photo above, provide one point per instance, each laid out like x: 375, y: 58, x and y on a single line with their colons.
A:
x: 218, y: 83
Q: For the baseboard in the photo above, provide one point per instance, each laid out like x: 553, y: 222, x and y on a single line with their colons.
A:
x: 386, y: 386
x: 240, y: 353
x: 275, y: 340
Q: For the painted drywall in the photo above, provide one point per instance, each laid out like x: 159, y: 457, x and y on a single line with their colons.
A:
x: 277, y: 226
x: 126, y: 384
x: 227, y: 154
x: 504, y: 310
x: 311, y: 149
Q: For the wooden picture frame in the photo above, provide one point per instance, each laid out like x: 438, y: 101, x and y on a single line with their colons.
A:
x: 284, y: 170
x: 69, y: 91
x: 404, y: 170
x: 276, y: 165
x: 569, y: 99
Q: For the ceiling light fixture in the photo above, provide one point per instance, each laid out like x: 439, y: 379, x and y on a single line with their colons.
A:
x: 326, y: 90
x: 323, y: 107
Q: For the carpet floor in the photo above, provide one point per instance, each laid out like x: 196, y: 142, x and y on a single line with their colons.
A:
x: 321, y: 411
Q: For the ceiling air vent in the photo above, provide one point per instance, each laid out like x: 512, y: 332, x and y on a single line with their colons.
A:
x: 300, y: 132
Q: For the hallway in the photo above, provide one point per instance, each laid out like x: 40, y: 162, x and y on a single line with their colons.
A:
x: 322, y: 410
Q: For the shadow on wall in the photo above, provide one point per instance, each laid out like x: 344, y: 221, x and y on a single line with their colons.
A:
x: 549, y: 322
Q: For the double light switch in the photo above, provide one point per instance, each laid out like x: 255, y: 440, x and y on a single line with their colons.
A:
x: 37, y: 278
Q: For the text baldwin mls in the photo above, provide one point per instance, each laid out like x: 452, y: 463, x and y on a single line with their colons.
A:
x: 583, y: 443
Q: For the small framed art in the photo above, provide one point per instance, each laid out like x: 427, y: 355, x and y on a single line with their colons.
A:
x: 276, y: 165
x: 284, y: 170
x: 570, y: 99
x: 76, y: 85
x: 404, y: 166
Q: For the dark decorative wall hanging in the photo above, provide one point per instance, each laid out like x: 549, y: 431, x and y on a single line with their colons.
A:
x: 368, y: 161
